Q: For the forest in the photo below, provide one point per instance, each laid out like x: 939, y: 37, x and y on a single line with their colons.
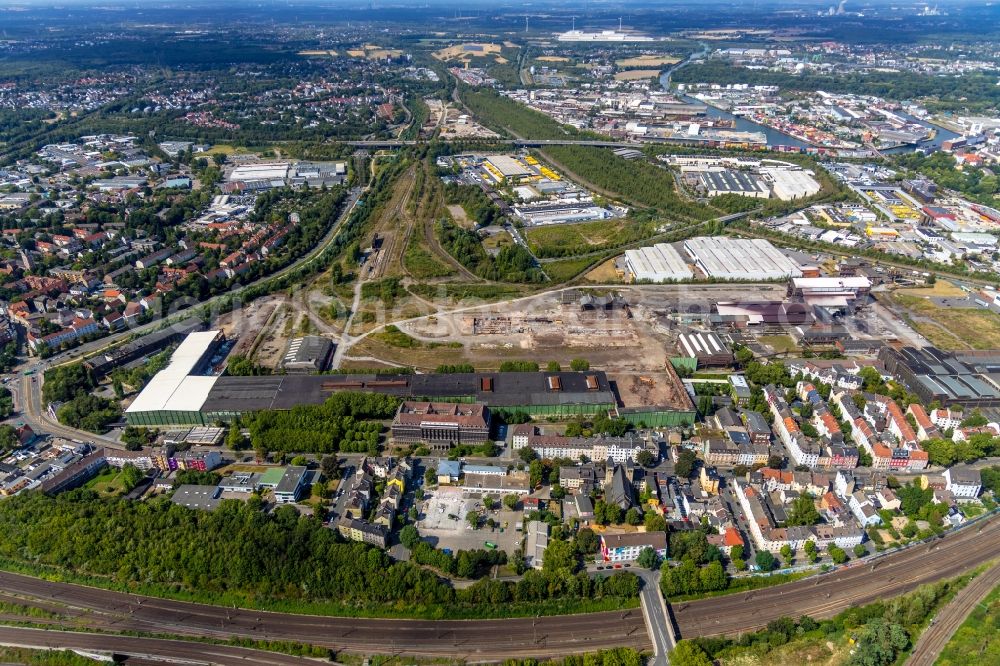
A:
x: 281, y: 560
x: 474, y: 201
x: 637, y: 182
x: 347, y: 422
x: 980, y: 185
x: 504, y: 114
x: 512, y: 264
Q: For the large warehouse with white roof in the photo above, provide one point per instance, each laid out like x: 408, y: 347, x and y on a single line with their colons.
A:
x: 658, y: 263
x: 740, y: 259
x: 177, y: 392
x: 790, y: 184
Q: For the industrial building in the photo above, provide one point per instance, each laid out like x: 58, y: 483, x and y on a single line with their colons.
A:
x: 967, y: 378
x: 764, y: 313
x: 178, y: 389
x: 105, y: 362
x: 311, y: 353
x: 740, y: 259
x: 707, y: 348
x: 179, y: 396
x: 505, y: 168
x: 790, y: 184
x: 659, y: 263
x: 831, y: 292
x: 536, y: 215
x: 717, y: 183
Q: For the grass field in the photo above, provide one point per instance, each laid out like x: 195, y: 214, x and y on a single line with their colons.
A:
x: 460, y: 292
x: 780, y: 343
x: 648, y: 61
x: 636, y: 74
x: 108, y: 483
x: 421, y: 264
x: 565, y: 269
x: 394, y: 337
x: 423, y: 356
x: 604, y: 273
x: 942, y: 289
x: 950, y: 328
x: 497, y: 241
x: 583, y: 236
x: 977, y: 641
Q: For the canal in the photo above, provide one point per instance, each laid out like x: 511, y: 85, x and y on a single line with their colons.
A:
x: 776, y: 138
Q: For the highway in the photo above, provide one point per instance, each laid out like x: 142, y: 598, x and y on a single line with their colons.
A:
x: 951, y: 617
x: 826, y: 595
x: 177, y: 651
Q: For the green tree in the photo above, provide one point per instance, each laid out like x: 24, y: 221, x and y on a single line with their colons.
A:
x: 686, y: 653
x: 559, y: 556
x: 535, y: 470
x: 8, y: 438
x: 860, y: 550
x: 803, y: 511
x: 586, y: 542
x: 330, y: 467
x: 786, y: 554
x: 879, y: 643
x: 713, y: 577
x: 130, y: 477
x: 765, y: 560
x: 633, y: 517
x: 472, y: 518
x: 409, y: 536
x: 684, y: 466
x: 510, y: 501
x: 654, y: 522
x: 579, y: 365
x: 234, y: 437
x: 553, y: 366
x: 648, y: 559
x: 645, y: 458
x: 837, y: 554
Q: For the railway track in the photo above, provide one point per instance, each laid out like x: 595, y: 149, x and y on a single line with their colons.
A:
x: 828, y: 594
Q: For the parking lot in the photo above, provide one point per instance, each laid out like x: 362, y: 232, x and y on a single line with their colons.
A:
x: 446, y: 509
x: 437, y: 525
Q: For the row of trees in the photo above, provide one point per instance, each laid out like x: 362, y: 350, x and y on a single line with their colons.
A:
x: 242, y: 553
x: 348, y: 421
x: 882, y: 632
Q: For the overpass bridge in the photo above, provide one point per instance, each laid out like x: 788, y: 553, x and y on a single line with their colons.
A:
x: 517, y: 143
